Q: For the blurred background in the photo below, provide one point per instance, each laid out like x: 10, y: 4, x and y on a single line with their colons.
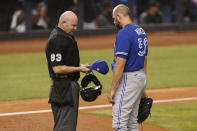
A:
x: 36, y: 18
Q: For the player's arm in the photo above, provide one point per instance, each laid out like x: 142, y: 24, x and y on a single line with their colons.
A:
x: 63, y: 69
x: 145, y: 70
x: 145, y: 65
x: 117, y: 74
x: 121, y: 53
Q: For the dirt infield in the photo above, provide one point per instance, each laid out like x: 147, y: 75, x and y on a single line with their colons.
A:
x: 86, y: 122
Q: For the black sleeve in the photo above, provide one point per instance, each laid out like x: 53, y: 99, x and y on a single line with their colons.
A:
x: 59, y: 50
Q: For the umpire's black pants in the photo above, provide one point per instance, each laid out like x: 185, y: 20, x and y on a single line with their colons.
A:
x: 65, y: 116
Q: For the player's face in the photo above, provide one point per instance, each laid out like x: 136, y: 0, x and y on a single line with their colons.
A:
x: 116, y: 22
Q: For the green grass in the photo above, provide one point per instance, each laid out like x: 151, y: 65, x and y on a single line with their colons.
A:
x: 174, y: 117
x: 24, y: 76
x: 102, y: 112
x: 173, y: 66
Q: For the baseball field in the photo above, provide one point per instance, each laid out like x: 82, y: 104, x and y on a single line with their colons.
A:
x: 172, y: 83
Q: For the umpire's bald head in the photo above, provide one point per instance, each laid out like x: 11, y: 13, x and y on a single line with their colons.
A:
x: 68, y: 22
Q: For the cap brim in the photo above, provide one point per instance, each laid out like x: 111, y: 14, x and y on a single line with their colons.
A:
x: 90, y: 67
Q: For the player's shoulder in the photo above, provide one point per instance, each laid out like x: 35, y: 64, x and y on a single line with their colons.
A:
x: 123, y: 32
x: 139, y: 30
x: 128, y: 30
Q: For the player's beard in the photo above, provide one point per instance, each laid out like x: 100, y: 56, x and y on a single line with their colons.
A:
x: 118, y: 26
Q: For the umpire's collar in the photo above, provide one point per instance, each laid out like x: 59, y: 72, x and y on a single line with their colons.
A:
x: 62, y: 31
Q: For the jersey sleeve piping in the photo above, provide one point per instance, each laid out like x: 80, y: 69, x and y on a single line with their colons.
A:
x: 121, y: 53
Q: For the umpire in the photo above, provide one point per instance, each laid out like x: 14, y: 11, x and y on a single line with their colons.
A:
x: 63, y: 64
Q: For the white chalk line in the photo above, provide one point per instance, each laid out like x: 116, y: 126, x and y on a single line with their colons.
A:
x: 97, y: 106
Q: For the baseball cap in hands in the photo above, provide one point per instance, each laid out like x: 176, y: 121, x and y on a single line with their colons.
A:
x: 99, y: 66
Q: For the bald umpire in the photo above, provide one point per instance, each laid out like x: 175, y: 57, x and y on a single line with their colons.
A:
x: 63, y: 64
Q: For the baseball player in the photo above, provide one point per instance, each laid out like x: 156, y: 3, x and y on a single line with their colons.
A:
x: 63, y: 64
x: 129, y: 78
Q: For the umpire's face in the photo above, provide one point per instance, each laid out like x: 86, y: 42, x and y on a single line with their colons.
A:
x: 70, y: 25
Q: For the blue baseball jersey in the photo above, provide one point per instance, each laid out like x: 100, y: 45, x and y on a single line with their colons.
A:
x: 131, y: 44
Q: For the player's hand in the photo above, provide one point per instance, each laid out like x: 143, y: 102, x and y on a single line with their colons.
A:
x: 110, y: 96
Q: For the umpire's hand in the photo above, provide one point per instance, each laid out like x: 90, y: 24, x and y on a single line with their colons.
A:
x: 84, y: 69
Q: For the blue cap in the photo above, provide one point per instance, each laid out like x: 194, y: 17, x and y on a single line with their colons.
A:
x: 99, y: 66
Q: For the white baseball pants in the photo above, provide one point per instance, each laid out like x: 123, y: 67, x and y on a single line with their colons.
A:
x: 127, y: 98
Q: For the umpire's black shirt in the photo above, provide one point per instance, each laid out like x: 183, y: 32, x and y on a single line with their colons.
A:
x: 62, y: 49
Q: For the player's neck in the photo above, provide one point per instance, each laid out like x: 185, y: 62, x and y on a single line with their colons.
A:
x: 126, y: 22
